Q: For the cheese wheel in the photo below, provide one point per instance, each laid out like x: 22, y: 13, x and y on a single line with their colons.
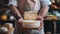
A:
x: 30, y: 24
x: 30, y: 15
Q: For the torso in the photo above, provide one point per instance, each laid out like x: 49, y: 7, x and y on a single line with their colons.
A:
x: 36, y: 7
x: 19, y: 29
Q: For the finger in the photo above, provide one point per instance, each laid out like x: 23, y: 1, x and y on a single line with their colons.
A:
x: 20, y: 20
x: 27, y: 28
x: 40, y: 28
x: 39, y: 18
x: 41, y: 25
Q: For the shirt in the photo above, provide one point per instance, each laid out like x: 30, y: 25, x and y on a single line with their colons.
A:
x: 37, y: 5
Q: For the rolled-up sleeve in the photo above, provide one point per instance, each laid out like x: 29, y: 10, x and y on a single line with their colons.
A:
x: 12, y: 2
x: 45, y: 2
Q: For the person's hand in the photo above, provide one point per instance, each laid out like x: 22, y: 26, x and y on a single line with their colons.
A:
x: 20, y: 20
x: 41, y: 20
x: 20, y: 24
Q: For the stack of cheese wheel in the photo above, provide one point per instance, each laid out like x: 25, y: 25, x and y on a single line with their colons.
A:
x: 30, y: 20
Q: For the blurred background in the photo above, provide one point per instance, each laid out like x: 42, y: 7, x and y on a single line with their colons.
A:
x: 51, y: 21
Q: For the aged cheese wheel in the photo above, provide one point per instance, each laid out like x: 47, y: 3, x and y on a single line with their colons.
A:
x: 30, y: 15
x: 31, y: 24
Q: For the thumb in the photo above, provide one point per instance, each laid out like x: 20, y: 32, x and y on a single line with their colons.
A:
x: 20, y: 20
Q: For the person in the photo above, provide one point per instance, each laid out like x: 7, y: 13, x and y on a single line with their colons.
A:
x: 19, y: 6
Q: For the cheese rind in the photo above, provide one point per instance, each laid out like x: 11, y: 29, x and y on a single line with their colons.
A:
x: 30, y: 15
x: 30, y: 24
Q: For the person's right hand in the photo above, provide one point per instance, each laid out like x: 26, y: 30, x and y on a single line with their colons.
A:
x: 20, y: 20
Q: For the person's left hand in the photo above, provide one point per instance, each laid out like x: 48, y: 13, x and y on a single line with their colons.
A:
x: 41, y: 20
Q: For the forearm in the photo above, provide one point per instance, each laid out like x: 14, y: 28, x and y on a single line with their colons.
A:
x: 15, y: 11
x: 43, y: 11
